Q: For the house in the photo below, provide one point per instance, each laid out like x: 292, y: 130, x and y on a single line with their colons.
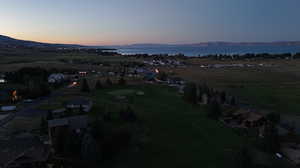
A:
x: 254, y: 120
x: 74, y: 123
x: 56, y: 78
x: 243, y: 118
x: 23, y: 152
x: 59, y: 113
x: 150, y: 76
x: 5, y: 95
x: 83, y: 104
x: 82, y: 73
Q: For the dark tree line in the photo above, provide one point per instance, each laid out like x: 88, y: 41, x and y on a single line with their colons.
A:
x: 253, y: 56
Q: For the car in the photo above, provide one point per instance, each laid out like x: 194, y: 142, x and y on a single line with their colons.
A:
x: 27, y: 101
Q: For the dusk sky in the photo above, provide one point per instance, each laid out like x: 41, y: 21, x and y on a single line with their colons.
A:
x: 106, y: 22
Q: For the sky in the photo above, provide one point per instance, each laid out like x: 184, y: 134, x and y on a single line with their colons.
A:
x: 116, y: 22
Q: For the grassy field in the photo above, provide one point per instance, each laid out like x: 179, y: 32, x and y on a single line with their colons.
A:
x: 271, y: 88
x: 179, y: 134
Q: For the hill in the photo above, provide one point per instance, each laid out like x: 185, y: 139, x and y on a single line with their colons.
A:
x: 6, y: 41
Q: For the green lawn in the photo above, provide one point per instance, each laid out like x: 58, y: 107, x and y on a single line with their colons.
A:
x: 283, y: 99
x: 123, y: 92
x: 179, y: 134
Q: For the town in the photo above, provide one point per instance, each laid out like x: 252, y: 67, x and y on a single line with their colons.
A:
x: 77, y: 116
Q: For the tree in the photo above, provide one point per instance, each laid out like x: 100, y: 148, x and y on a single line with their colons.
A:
x: 98, y: 85
x: 45, y: 89
x: 271, y: 139
x: 274, y: 117
x: 243, y: 158
x: 233, y: 101
x: 97, y: 129
x: 122, y: 82
x: 190, y: 93
x: 128, y: 114
x: 108, y: 82
x: 214, y: 110
x: 223, y: 97
x: 200, y: 93
x: 85, y: 86
x: 59, y: 139
x: 206, y: 90
x: 162, y: 76
x: 90, y: 149
x: 49, y: 115
x: 44, y: 126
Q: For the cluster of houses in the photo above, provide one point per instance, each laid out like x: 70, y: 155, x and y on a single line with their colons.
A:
x: 33, y: 149
x: 23, y: 151
x: 235, y: 65
x: 246, y: 118
x: 164, y: 62
x: 72, y: 117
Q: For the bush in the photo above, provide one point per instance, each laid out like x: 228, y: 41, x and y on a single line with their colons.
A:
x: 274, y: 117
x: 108, y: 82
x: 98, y: 85
x: 243, y: 158
x: 122, y: 82
x: 214, y: 110
x: 162, y: 76
x: 271, y: 139
x: 85, y: 86
x: 128, y: 114
x: 190, y: 93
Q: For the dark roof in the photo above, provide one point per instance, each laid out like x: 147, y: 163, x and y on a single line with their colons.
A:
x: 79, y: 101
x: 78, y: 122
x: 75, y: 122
x: 58, y: 122
x: 15, y: 148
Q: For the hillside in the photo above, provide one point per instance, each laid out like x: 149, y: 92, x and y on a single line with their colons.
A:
x: 11, y: 42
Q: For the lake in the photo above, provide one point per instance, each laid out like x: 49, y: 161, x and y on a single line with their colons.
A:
x: 206, y: 50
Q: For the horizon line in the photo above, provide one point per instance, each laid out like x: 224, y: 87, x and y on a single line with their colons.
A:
x: 92, y: 44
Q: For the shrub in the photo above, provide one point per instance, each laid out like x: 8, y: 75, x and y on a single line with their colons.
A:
x: 108, y: 82
x: 98, y: 85
x: 85, y: 86
x: 214, y: 110
x: 190, y: 93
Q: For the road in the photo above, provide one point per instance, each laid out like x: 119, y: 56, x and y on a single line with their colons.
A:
x: 30, y: 109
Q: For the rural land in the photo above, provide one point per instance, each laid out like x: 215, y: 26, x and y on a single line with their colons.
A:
x: 76, y: 106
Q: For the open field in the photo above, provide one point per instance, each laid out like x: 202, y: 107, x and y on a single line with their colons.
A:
x: 179, y: 134
x: 272, y: 88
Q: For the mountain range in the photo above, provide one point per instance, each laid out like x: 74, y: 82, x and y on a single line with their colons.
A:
x: 11, y: 42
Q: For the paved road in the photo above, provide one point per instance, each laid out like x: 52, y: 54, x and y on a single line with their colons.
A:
x: 30, y: 110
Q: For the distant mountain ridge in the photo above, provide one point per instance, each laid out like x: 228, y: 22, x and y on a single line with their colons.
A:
x: 11, y: 42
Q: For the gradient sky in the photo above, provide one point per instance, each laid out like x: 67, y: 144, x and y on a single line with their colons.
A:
x: 106, y: 22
